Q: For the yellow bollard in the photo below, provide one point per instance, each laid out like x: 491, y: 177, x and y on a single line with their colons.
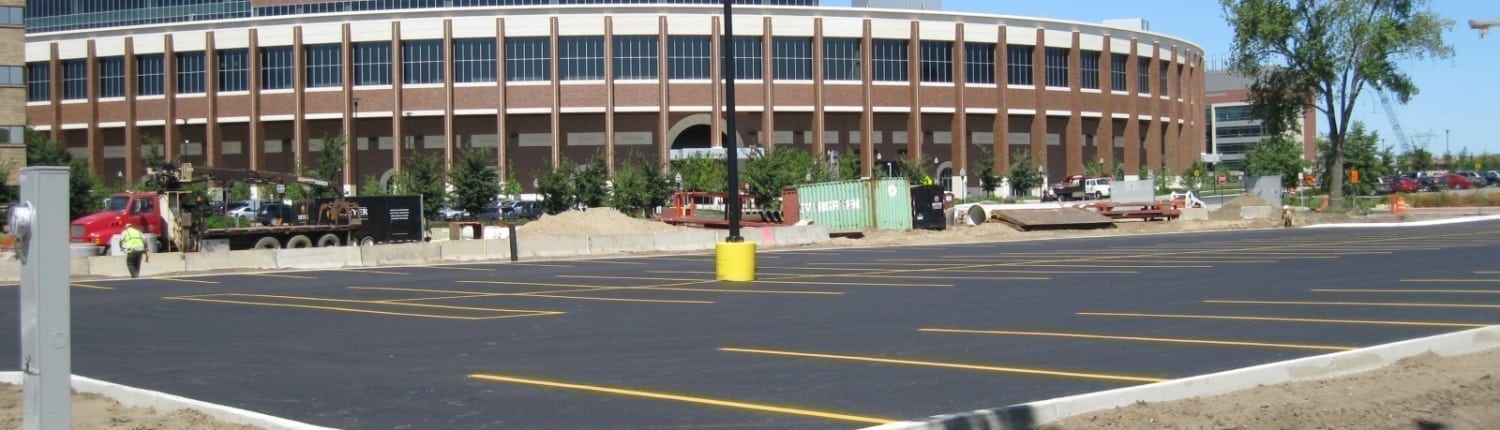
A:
x: 735, y: 261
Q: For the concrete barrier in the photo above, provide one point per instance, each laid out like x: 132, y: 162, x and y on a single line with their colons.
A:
x: 161, y: 264
x: 318, y: 258
x: 10, y: 269
x: 496, y: 249
x: 552, y: 246
x: 165, y: 403
x: 1190, y: 214
x: 231, y: 260
x: 397, y: 254
x: 802, y: 235
x: 461, y: 250
x: 606, y: 244
x: 1030, y: 415
x: 686, y: 240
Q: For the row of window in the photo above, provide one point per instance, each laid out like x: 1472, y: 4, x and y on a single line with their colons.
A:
x: 56, y: 15
x: 581, y: 58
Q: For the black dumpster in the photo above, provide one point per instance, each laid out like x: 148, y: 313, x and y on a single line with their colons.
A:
x: 927, y: 207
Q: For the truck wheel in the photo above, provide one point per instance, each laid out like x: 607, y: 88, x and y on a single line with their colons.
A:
x: 298, y: 242
x: 267, y: 243
x: 329, y: 240
x: 367, y: 241
x: 1094, y: 195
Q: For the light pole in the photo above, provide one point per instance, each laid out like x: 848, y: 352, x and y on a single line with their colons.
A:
x: 1447, y: 151
x: 353, y: 143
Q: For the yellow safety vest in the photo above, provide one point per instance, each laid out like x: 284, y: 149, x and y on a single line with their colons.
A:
x: 132, y: 239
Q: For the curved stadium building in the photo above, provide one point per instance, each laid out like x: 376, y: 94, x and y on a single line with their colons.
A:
x: 261, y: 84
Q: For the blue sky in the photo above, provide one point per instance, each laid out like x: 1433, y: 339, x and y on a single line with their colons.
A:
x: 1459, y: 96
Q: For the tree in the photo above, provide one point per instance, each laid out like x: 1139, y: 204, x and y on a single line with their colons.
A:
x: 590, y: 183
x: 988, y: 180
x: 1023, y: 174
x: 41, y: 150
x: 1276, y: 155
x: 373, y: 187
x: 556, y: 187
x: 1419, y: 159
x: 239, y: 192
x: 475, y: 181
x: 777, y: 168
x: 511, y: 187
x: 330, y: 167
x: 1362, y: 152
x: 1325, y: 53
x: 702, y: 173
x: 640, y: 186
x: 84, y: 192
x: 914, y: 170
x: 848, y: 167
x: 1193, y: 176
x: 423, y: 174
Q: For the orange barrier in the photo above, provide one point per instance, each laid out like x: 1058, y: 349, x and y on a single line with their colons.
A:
x: 1399, y: 205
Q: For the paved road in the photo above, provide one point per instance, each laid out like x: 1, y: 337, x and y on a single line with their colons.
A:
x: 826, y: 339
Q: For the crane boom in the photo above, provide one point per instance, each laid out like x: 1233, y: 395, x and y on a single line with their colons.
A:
x: 1390, y: 114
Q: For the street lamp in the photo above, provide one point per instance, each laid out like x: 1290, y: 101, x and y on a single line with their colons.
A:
x: 1447, y: 152
x: 352, y: 142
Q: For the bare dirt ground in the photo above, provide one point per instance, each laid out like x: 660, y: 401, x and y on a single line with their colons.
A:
x: 1450, y: 392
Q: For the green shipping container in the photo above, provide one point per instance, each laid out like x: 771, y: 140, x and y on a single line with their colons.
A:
x: 892, y: 204
x: 846, y: 206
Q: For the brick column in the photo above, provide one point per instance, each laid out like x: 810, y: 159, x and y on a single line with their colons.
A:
x: 1073, y: 137
x: 1038, y: 101
x: 819, y: 122
x: 1132, y: 111
x: 1001, y: 125
x: 212, y: 138
x: 959, y: 149
x: 1104, y: 135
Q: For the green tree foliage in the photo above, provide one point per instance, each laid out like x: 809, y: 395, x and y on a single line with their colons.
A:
x: 915, y: 170
x: 373, y: 187
x: 590, y: 183
x: 640, y: 186
x: 511, y: 187
x: 1193, y: 176
x: 1095, y: 167
x: 556, y: 188
x: 702, y: 173
x: 1361, y: 151
x: 1023, y: 174
x: 848, y: 167
x: 780, y: 167
x: 422, y: 173
x: 330, y: 167
x: 41, y: 150
x: 152, y: 155
x: 1419, y: 159
x: 1276, y: 155
x: 1326, y: 52
x: 475, y: 181
x: 239, y: 192
x: 84, y: 190
x: 988, y: 180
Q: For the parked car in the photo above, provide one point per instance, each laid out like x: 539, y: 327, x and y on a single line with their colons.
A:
x: 1454, y: 181
x: 1475, y: 178
x: 1402, y: 184
x: 1493, y: 177
x: 275, y: 214
x: 490, y: 213
x: 516, y: 211
x: 1430, y: 183
x: 451, y: 214
x: 241, y: 210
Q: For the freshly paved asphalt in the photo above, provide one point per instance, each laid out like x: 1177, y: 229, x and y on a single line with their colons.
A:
x: 345, y: 349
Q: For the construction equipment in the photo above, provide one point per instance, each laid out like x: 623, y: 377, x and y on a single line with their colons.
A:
x: 1483, y: 26
x: 1390, y: 114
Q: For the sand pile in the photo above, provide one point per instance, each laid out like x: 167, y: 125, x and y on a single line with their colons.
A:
x: 595, y: 221
x: 1231, y: 211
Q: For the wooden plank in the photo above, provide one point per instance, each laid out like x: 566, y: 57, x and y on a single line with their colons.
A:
x: 1029, y: 219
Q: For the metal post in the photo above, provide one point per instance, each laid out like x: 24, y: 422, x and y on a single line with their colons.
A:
x: 40, y: 222
x: 727, y: 47
x: 511, y: 228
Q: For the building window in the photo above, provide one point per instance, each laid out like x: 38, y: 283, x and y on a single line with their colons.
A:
x: 747, y: 57
x: 1018, y: 64
x: 580, y: 58
x: 234, y: 70
x: 1166, y: 70
x: 75, y: 79
x: 38, y: 82
x: 1089, y: 66
x: 688, y: 57
x: 1057, y: 67
x: 148, y: 75
x: 112, y: 77
x: 842, y: 59
x: 276, y: 68
x: 791, y: 58
x: 190, y: 73
x: 1118, y: 76
x: 888, y: 59
x: 636, y: 57
x: 474, y: 60
x: 372, y: 63
x: 325, y: 65
x: 1143, y: 75
x: 1240, y: 131
x: 937, y: 61
x: 12, y: 75
x: 979, y: 62
x: 422, y: 62
x: 1233, y: 113
x: 13, y: 134
x: 528, y: 59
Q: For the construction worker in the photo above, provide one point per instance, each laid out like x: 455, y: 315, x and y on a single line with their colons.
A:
x: 133, y: 242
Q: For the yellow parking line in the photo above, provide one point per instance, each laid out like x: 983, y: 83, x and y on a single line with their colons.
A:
x: 354, y: 310
x: 378, y: 272
x: 612, y: 299
x: 1287, y: 319
x: 546, y: 294
x: 999, y: 369
x: 758, y: 281
x: 194, y: 281
x: 1143, y: 339
x: 1394, y: 291
x: 275, y: 275
x: 476, y: 269
x: 1384, y: 304
x: 1451, y: 280
x: 539, y: 264
x: 850, y: 269
x: 422, y: 305
x: 682, y: 398
x: 633, y: 263
x: 1487, y: 272
x: 665, y: 287
x: 96, y: 287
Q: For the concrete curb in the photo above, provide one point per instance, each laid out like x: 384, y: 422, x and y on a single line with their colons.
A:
x: 1030, y: 415
x: 165, y: 403
x: 1426, y: 223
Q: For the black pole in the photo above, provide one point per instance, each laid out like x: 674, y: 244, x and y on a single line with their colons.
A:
x: 727, y: 46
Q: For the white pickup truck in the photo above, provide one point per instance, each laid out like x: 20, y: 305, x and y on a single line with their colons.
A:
x: 1078, y: 187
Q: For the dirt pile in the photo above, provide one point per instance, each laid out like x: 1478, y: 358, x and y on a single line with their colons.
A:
x: 1231, y: 211
x: 92, y: 411
x: 595, y: 221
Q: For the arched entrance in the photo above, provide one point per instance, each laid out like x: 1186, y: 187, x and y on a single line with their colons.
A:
x: 697, y: 136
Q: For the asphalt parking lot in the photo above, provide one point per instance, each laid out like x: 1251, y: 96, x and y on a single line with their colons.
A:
x: 839, y: 338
